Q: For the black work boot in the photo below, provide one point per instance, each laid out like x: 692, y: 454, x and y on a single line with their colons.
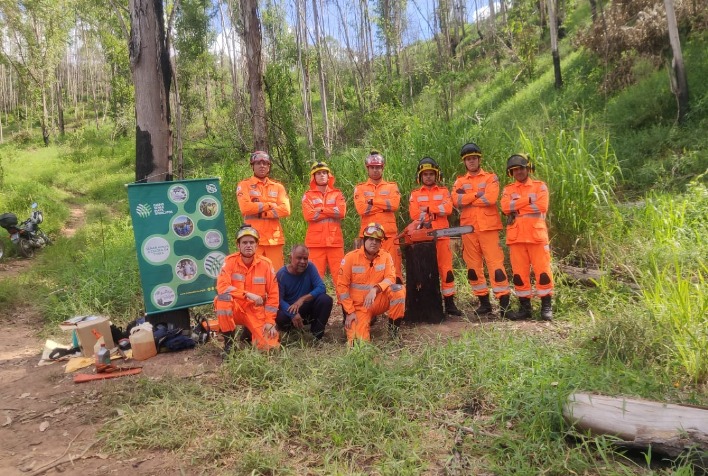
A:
x: 485, y: 307
x: 450, y: 307
x: 546, y: 308
x: 524, y: 311
x: 503, y: 305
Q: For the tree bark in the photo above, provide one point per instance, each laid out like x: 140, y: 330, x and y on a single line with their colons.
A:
x: 150, y: 65
x: 423, y: 296
x: 553, y: 22
x: 666, y: 428
x: 304, y: 69
x: 326, y: 139
x: 60, y: 106
x: 679, y: 80
x: 253, y: 39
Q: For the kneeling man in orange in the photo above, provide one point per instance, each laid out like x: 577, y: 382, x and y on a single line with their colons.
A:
x: 247, y: 294
x: 367, y: 286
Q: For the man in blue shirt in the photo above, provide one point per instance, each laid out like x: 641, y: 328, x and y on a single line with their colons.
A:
x: 303, y: 299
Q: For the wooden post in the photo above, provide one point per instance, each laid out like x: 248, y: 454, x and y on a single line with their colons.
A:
x: 423, y: 296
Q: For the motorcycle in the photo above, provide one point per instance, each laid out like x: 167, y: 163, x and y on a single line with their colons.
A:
x: 27, y: 236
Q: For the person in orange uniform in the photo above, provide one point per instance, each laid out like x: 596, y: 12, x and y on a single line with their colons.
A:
x: 525, y: 203
x: 247, y: 294
x: 367, y: 286
x: 377, y: 200
x: 475, y: 196
x: 263, y: 202
x: 432, y: 204
x: 324, y: 207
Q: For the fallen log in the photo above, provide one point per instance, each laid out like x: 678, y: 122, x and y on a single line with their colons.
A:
x: 666, y: 428
x: 590, y: 277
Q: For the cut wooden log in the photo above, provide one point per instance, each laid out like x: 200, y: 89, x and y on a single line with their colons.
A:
x: 666, y: 428
x: 423, y: 296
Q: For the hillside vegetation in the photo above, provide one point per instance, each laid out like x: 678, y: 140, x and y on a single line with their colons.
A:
x: 629, y: 197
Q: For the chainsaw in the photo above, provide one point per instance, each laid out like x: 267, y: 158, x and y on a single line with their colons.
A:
x: 421, y: 232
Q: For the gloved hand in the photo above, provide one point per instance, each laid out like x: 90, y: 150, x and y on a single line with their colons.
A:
x: 370, y: 201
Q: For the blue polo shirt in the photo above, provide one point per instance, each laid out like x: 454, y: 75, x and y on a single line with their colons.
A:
x: 293, y: 286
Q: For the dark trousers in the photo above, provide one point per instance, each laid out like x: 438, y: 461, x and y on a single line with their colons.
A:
x: 315, y: 312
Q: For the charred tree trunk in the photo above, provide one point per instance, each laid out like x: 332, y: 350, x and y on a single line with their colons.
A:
x: 553, y: 23
x: 253, y: 39
x: 423, y: 296
x: 150, y: 65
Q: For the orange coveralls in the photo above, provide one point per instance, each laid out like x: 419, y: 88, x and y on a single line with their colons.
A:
x: 478, y: 207
x: 527, y: 236
x: 232, y: 307
x: 357, y: 276
x: 439, y: 203
x: 263, y: 203
x: 323, y: 213
x: 385, y: 200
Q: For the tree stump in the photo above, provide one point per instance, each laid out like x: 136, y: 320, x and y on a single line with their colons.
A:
x: 423, y: 296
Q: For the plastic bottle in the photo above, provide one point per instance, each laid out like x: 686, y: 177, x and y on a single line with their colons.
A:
x: 103, y: 356
x: 142, y: 342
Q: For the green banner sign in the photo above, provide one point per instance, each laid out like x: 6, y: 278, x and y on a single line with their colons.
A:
x: 180, y: 240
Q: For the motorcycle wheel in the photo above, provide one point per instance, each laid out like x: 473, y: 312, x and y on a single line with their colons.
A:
x: 25, y: 248
x: 45, y: 237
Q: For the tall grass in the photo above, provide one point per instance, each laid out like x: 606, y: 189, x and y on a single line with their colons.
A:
x: 581, y: 177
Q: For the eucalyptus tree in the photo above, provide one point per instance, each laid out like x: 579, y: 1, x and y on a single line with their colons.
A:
x: 195, y: 66
x: 150, y: 66
x: 252, y: 39
x: 38, y: 31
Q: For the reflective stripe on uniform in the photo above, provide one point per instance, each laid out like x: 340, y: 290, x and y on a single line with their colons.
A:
x: 271, y: 309
x: 358, y: 269
x: 361, y: 287
x: 238, y: 277
x: 259, y: 280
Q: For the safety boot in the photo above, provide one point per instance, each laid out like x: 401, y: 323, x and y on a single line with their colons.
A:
x: 524, y: 311
x: 546, y: 308
x: 503, y: 305
x: 485, y: 307
x: 450, y: 307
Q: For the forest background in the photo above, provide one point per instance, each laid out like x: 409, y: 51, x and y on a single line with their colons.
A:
x: 595, y: 97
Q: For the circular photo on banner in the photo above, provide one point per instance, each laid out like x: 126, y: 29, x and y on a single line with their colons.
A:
x: 183, y: 226
x: 156, y: 249
x: 178, y: 193
x: 213, y: 239
x: 186, y: 269
x: 163, y: 296
x: 208, y: 207
x: 213, y: 262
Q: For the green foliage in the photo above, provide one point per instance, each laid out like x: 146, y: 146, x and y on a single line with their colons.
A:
x: 381, y: 410
x: 581, y: 179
